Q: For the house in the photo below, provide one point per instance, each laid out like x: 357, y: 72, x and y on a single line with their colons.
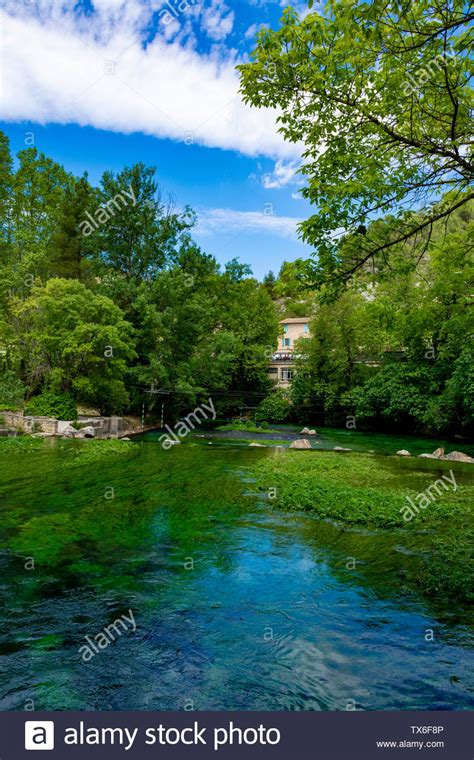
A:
x: 281, y: 364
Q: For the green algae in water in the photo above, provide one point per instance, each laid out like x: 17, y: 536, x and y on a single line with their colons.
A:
x: 206, y: 570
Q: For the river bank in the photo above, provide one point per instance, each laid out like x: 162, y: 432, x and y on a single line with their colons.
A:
x: 383, y: 492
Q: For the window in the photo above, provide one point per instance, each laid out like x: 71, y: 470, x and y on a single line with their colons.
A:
x: 305, y: 327
x: 286, y: 374
x: 285, y: 329
x: 287, y: 342
x: 272, y: 370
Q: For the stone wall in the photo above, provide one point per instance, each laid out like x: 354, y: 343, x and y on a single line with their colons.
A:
x: 30, y: 424
x: 103, y: 426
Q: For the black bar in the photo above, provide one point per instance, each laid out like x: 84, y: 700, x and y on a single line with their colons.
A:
x: 308, y: 735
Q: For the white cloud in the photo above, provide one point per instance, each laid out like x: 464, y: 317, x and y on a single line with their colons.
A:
x: 56, y: 70
x: 217, y: 20
x: 215, y: 220
x: 283, y: 174
x: 252, y: 31
x: 302, y: 8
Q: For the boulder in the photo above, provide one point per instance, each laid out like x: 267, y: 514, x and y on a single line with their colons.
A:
x: 305, y: 431
x: 340, y: 448
x: 459, y: 456
x: 125, y: 438
x: 439, y: 453
x: 300, y: 443
x: 69, y: 431
x: 403, y: 453
x: 85, y: 432
x: 427, y: 456
x: 261, y: 445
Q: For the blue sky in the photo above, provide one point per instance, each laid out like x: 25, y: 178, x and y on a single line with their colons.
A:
x: 104, y: 83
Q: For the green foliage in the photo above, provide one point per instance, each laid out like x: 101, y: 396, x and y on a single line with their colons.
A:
x: 379, y: 95
x: 394, y: 350
x: 398, y: 394
x: 144, y: 231
x: 138, y: 307
x: 21, y: 444
x: 39, y: 187
x: 72, y: 341
x: 72, y: 252
x: 107, y: 311
x: 12, y: 391
x: 60, y: 406
x: 275, y: 407
x: 358, y: 489
x: 244, y: 425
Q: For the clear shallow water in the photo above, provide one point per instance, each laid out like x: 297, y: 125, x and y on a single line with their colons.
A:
x: 327, y: 438
x: 269, y: 617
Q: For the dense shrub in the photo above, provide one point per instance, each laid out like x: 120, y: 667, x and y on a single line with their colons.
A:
x: 48, y: 404
x: 12, y: 391
x: 274, y: 408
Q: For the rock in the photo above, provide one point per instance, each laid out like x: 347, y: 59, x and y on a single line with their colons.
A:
x: 403, y: 453
x: 69, y: 431
x: 312, y: 432
x: 300, y: 443
x: 427, y: 456
x: 305, y: 431
x: 261, y: 445
x: 439, y: 453
x: 85, y: 432
x: 459, y: 456
x: 125, y: 438
x: 340, y: 448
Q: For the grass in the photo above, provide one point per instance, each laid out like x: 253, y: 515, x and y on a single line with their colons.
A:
x: 21, y: 443
x: 83, y: 452
x: 358, y: 489
x: 247, y: 427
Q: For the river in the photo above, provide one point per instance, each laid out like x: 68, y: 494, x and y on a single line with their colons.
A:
x: 238, y: 606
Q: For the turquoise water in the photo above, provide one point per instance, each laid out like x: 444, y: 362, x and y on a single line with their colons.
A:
x: 237, y: 606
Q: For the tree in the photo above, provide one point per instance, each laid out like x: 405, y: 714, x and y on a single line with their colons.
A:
x: 379, y: 96
x: 6, y: 191
x: 142, y: 233
x: 333, y: 360
x: 70, y: 248
x: 69, y: 340
x: 396, y: 351
x: 235, y: 271
x: 39, y: 187
x: 201, y: 331
x: 269, y: 283
x: 12, y: 390
x: 274, y: 408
